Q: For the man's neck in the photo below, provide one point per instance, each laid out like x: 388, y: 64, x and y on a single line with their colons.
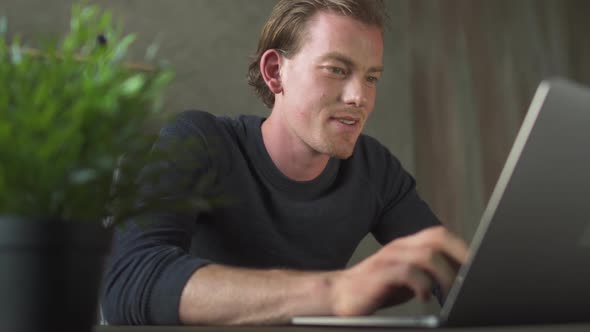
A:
x: 290, y: 154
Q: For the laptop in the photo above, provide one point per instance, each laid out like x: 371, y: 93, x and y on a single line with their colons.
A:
x: 530, y: 256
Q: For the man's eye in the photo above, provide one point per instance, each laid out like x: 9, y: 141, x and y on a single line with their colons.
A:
x: 337, y: 70
x: 373, y: 79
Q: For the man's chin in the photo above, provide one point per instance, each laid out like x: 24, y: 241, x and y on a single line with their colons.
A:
x: 341, y: 149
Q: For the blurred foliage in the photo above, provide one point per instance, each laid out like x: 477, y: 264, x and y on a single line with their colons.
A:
x: 68, y: 114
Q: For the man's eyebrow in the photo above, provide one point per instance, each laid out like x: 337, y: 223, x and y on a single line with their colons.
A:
x: 347, y: 61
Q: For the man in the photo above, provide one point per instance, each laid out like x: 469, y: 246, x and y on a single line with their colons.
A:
x: 302, y: 188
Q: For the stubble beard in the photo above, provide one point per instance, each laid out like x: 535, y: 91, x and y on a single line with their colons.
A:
x: 324, y: 141
x: 331, y: 144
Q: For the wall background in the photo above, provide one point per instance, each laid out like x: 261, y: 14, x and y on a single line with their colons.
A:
x: 459, y: 77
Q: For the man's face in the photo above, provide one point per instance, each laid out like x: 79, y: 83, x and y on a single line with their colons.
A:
x: 329, y: 86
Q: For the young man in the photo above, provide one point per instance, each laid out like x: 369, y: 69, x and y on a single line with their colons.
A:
x: 303, y: 187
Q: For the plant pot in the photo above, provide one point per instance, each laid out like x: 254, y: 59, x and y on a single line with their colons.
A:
x: 50, y: 274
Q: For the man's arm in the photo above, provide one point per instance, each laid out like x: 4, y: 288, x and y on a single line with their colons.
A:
x: 404, y: 268
x: 217, y: 294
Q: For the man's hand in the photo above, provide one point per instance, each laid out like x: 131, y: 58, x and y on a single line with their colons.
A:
x: 404, y: 268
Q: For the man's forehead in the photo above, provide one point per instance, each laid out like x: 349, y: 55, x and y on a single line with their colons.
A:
x: 330, y: 36
x: 328, y: 19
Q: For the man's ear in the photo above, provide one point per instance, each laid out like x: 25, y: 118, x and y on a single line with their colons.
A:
x: 270, y: 68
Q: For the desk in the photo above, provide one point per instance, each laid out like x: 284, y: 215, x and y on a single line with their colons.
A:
x: 550, y: 328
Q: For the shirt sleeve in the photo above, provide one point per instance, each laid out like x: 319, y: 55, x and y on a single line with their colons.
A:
x: 150, y: 263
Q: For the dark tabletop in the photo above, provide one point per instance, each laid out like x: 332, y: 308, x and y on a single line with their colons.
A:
x: 539, y: 328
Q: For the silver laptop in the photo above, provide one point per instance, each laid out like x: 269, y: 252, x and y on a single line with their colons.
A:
x: 530, y: 256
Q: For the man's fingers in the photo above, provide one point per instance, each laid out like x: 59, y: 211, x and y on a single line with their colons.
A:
x: 410, y: 264
x: 371, y: 284
x: 440, y: 239
x: 436, y: 251
x: 432, y: 262
x: 456, y: 248
x: 414, y: 279
x: 437, y: 266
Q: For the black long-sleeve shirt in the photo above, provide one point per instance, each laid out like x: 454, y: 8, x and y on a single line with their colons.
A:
x: 258, y: 217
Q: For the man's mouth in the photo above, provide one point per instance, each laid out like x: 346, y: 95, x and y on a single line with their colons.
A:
x: 347, y: 121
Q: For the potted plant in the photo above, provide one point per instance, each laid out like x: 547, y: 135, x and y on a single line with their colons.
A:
x: 69, y: 109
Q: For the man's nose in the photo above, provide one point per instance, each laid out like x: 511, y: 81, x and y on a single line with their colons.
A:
x: 355, y: 93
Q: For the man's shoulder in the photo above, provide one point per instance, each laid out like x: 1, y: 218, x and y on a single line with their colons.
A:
x: 202, y: 123
x: 194, y: 121
x: 222, y: 136
x: 194, y: 130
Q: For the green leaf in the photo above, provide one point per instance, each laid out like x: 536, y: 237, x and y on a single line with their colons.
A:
x: 121, y: 48
x: 132, y: 85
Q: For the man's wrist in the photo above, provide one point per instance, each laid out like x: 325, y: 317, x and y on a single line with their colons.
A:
x: 316, y: 296
x: 326, y: 287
